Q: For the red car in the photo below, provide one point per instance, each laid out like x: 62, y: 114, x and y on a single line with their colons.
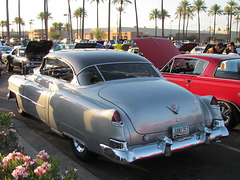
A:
x: 208, y: 74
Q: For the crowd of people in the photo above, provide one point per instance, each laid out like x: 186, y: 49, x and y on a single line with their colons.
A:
x: 219, y: 48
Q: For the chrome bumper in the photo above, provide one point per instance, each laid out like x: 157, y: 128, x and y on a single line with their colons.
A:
x: 165, y: 145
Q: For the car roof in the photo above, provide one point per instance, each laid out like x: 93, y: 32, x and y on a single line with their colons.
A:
x: 81, y: 58
x: 209, y: 57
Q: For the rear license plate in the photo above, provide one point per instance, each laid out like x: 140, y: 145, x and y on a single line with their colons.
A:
x: 179, y: 131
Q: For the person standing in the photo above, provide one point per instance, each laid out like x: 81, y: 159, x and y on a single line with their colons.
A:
x: 217, y: 49
x: 231, y: 48
x: 56, y: 46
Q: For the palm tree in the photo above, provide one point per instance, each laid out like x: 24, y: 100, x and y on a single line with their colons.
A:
x: 227, y: 12
x: 70, y: 20
x: 199, y: 5
x: 232, y: 4
x: 164, y: 14
x: 41, y: 17
x: 154, y: 15
x: 185, y: 4
x: 76, y: 15
x: 179, y: 15
x: 237, y: 19
x: 60, y: 27
x: 109, y: 15
x: 215, y: 10
x: 19, y: 23
x: 121, y: 2
x: 2, y: 24
x: 190, y: 14
x: 46, y: 17
x: 135, y: 4
x: 83, y: 19
x: 97, y: 1
x: 8, y: 29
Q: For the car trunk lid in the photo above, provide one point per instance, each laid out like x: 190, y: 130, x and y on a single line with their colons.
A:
x: 154, y: 106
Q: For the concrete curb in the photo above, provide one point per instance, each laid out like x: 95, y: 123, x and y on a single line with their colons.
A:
x: 33, y: 143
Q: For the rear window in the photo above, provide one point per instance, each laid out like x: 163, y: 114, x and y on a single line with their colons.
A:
x: 229, y: 69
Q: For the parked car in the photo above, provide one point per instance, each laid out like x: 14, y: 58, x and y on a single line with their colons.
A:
x: 198, y: 50
x: 27, y: 57
x: 115, y: 104
x: 5, y: 49
x: 201, y: 74
x: 209, y: 74
x: 83, y: 45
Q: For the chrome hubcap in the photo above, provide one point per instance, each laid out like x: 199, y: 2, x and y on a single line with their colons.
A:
x: 78, y: 146
x: 226, y: 114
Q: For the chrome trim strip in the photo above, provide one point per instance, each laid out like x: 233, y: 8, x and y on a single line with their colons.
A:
x: 163, y: 147
x: 17, y: 93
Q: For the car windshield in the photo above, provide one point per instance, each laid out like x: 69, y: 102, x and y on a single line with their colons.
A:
x: 229, y: 69
x: 115, y: 71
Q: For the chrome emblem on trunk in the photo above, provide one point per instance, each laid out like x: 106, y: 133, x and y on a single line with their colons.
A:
x: 173, y: 108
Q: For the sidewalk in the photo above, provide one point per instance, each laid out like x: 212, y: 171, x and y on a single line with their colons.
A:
x: 33, y: 143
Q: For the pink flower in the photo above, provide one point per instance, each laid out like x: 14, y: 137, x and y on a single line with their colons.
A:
x: 12, y: 130
x: 75, y: 170
x: 20, y: 172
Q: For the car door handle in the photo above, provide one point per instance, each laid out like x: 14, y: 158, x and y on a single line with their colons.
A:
x: 188, y: 80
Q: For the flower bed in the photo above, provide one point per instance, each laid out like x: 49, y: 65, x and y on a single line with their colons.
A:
x: 15, y: 164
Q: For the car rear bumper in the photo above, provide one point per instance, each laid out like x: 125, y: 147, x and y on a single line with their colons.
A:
x: 165, y: 145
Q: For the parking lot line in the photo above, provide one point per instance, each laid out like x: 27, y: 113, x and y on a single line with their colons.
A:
x: 229, y: 147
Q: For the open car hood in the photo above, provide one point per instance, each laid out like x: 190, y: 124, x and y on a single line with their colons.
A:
x: 38, y: 47
x: 158, y: 51
x: 187, y: 47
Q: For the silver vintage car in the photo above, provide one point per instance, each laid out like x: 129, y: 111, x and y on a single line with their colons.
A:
x: 115, y: 104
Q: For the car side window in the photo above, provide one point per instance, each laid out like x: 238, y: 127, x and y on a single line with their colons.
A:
x: 89, y: 76
x: 57, y: 69
x: 228, y: 69
x: 186, y: 66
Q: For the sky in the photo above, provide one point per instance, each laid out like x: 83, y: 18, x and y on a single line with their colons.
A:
x: 31, y: 8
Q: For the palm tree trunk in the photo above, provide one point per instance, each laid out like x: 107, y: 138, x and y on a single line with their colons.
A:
x: 46, y: 17
x: 42, y: 28
x: 179, y: 24
x: 77, y: 27
x: 230, y: 30
x: 19, y: 22
x: 155, y: 26
x: 80, y: 30
x: 8, y: 31
x: 198, y: 27
x: 109, y: 15
x: 97, y: 15
x: 135, y: 4
x: 214, y: 25
x: 83, y: 19
x: 162, y: 22
x: 184, y: 18
x: 120, y: 22
x: 187, y: 26
x: 70, y: 21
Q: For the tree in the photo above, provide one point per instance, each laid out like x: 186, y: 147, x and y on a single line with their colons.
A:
x: 214, y: 11
x: 190, y: 14
x: 46, y: 17
x: 7, y: 12
x: 122, y: 3
x: 227, y: 12
x: 19, y: 23
x: 135, y: 5
x: 164, y: 14
x: 99, y: 33
x: 41, y: 17
x: 232, y: 4
x: 79, y: 13
x: 162, y: 17
x: 109, y: 20
x: 154, y: 15
x: 237, y: 19
x: 179, y: 15
x: 70, y: 20
x: 83, y: 19
x: 3, y: 24
x: 97, y: 1
x: 199, y: 5
x: 185, y: 4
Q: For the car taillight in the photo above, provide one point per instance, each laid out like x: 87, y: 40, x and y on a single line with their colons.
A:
x: 214, y: 101
x: 116, y: 119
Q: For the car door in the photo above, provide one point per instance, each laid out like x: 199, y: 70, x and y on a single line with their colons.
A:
x: 180, y: 71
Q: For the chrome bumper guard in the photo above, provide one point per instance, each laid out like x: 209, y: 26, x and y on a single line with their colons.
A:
x: 165, y: 145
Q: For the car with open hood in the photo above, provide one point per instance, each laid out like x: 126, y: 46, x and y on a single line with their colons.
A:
x: 27, y: 58
x: 115, y: 104
x: 202, y: 74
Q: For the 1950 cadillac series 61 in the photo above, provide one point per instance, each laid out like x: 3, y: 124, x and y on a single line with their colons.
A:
x: 115, y: 104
